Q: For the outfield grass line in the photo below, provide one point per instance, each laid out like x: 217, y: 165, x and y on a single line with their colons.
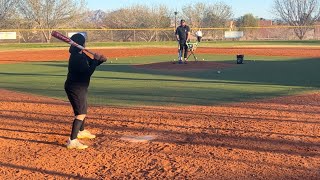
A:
x: 92, y: 47
x: 214, y: 44
x: 164, y: 47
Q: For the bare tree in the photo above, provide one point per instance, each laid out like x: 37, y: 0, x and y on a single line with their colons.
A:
x: 138, y: 17
x: 120, y: 19
x: 7, y: 10
x: 49, y: 14
x: 207, y: 15
x: 216, y: 15
x: 158, y: 17
x: 195, y: 14
x: 299, y: 13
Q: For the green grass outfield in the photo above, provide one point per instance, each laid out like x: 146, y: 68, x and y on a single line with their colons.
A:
x: 304, y: 43
x: 121, y: 84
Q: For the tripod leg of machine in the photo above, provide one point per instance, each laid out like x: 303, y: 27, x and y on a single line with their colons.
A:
x: 194, y: 56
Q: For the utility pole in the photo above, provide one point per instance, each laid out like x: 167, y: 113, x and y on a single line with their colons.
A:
x: 175, y: 20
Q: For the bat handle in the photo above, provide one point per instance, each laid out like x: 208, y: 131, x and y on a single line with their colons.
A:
x: 88, y: 51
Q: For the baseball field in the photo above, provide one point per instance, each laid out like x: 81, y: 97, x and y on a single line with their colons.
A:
x: 210, y: 119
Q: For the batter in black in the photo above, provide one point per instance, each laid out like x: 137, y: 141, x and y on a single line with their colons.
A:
x: 80, y: 69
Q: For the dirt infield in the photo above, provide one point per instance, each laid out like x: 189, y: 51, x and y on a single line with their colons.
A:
x: 271, y: 139
x: 190, y: 66
x: 62, y: 55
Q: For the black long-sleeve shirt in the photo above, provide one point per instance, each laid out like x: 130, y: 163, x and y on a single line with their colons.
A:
x: 80, y: 69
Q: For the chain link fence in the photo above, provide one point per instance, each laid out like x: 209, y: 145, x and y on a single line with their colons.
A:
x: 157, y: 35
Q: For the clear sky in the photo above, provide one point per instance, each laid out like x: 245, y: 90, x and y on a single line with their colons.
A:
x: 260, y: 8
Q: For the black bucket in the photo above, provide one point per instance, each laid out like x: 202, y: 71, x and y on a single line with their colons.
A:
x: 240, y: 58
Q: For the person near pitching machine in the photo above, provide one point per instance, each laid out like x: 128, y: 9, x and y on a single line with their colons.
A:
x: 80, y: 69
x: 183, y: 36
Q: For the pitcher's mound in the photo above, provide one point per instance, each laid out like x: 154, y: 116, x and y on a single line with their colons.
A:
x: 190, y: 66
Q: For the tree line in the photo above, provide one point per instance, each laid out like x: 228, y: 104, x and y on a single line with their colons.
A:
x: 53, y: 14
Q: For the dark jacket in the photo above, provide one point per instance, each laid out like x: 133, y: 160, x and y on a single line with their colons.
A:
x: 183, y: 31
x: 80, y: 68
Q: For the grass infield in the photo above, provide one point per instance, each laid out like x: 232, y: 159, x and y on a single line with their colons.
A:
x: 120, y: 83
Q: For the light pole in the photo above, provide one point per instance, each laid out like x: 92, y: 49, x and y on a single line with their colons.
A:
x: 175, y: 20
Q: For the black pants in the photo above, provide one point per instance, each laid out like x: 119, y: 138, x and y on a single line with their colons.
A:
x: 183, y: 48
x: 77, y: 96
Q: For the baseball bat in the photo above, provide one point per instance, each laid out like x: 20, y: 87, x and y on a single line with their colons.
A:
x: 69, y: 41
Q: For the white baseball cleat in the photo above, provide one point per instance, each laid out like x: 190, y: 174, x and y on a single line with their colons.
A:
x: 75, y: 144
x: 85, y: 134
